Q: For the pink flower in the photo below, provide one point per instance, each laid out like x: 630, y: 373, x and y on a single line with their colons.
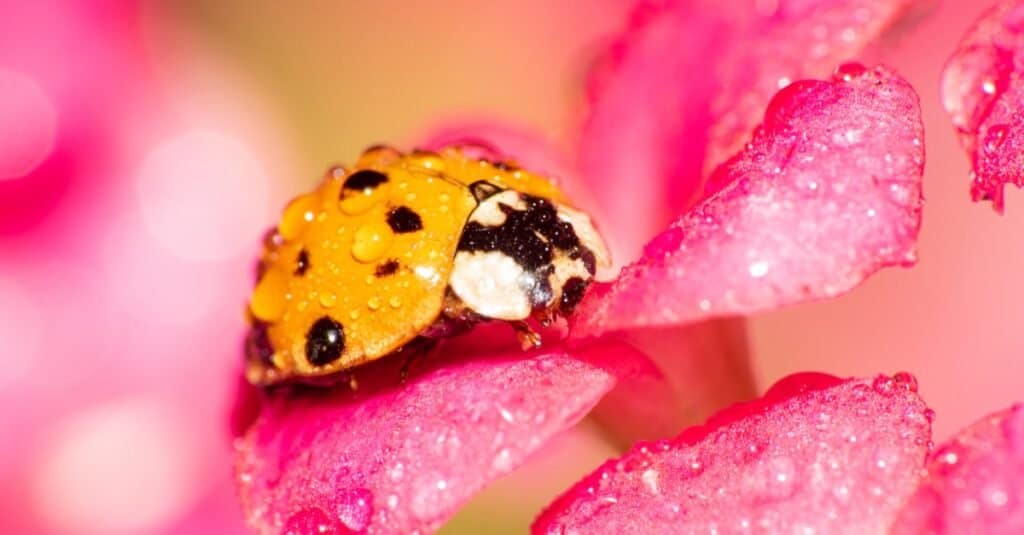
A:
x: 983, y: 91
x: 826, y: 191
x: 815, y: 454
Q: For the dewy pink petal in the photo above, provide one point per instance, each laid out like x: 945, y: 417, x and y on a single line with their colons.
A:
x: 785, y: 41
x: 395, y: 458
x: 975, y: 482
x: 826, y: 193
x: 983, y: 91
x: 681, y: 88
x: 816, y: 454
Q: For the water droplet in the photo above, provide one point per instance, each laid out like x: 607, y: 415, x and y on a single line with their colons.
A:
x: 906, y: 381
x: 372, y: 240
x: 379, y: 155
x: 328, y: 299
x: 354, y: 314
x: 373, y: 303
x: 312, y: 520
x: 883, y: 384
x: 297, y: 215
x: 354, y: 507
x: 995, y: 137
x: 395, y: 301
x: 268, y: 299
x: 847, y: 72
x: 427, y: 160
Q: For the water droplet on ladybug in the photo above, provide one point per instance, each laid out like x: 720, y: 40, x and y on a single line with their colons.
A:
x: 297, y: 215
x: 372, y: 240
x: 328, y: 299
x: 268, y: 299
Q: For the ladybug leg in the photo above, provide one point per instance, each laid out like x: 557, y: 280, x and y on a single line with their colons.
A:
x: 528, y: 338
x: 414, y: 352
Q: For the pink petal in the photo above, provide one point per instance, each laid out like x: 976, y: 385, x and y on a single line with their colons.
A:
x: 394, y: 458
x: 816, y: 454
x: 975, y: 481
x: 681, y: 89
x: 983, y: 92
x: 827, y: 193
x: 704, y: 366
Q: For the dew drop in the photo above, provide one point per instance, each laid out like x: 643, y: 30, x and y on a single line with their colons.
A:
x: 395, y: 301
x: 328, y: 299
x: 906, y: 381
x: 995, y: 137
x: 360, y: 202
x: 310, y: 521
x: 268, y: 299
x: 373, y: 303
x: 428, y: 160
x: 372, y: 240
x: 354, y: 507
x: 883, y: 384
x: 847, y: 72
x: 297, y: 215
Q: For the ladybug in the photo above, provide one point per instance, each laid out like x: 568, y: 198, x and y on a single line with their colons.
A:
x: 405, y: 249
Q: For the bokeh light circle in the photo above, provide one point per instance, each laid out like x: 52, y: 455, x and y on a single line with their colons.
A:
x: 28, y: 124
x: 126, y: 467
x: 203, y: 196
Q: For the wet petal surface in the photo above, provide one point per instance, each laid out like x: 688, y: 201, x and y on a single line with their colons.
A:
x: 397, y: 458
x: 815, y: 454
x: 983, y: 92
x: 975, y: 482
x: 827, y: 192
x: 683, y: 86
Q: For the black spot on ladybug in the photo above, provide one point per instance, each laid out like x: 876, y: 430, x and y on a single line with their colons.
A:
x: 257, y: 345
x: 367, y: 178
x: 528, y: 236
x: 572, y: 294
x: 482, y: 189
x: 302, y: 263
x: 387, y: 268
x: 403, y: 220
x: 325, y: 341
x: 589, y: 260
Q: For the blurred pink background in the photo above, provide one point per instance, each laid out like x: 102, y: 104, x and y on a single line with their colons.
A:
x: 145, y: 149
